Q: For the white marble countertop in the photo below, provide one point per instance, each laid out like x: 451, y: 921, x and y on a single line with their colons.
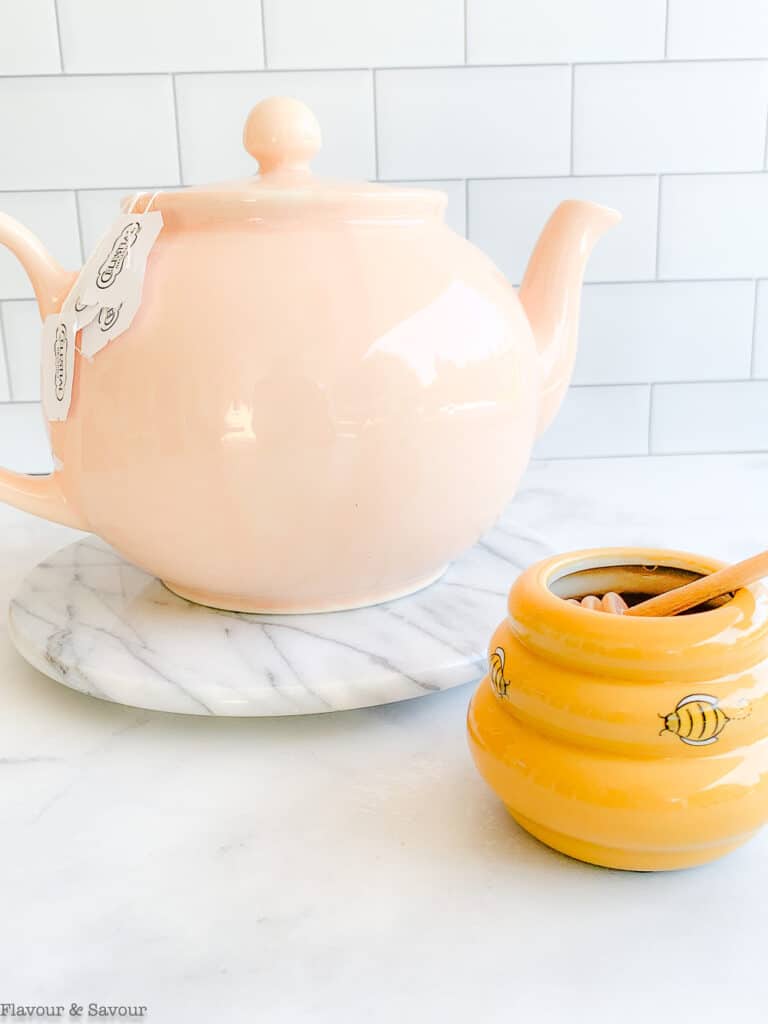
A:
x: 352, y: 866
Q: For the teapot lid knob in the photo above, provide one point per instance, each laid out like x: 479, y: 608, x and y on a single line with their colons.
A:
x: 282, y: 134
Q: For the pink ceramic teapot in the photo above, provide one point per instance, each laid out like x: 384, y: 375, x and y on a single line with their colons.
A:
x: 325, y: 394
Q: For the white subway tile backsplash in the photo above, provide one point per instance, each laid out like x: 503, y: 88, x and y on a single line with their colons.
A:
x: 173, y: 35
x: 473, y: 122
x: 718, y: 28
x: 505, y: 218
x: 598, y: 421
x: 213, y: 108
x: 363, y: 33
x: 668, y: 109
x: 723, y: 417
x: 53, y: 218
x: 707, y: 116
x: 760, y: 366
x: 23, y: 440
x: 86, y: 131
x: 714, y: 226
x: 98, y: 208
x: 21, y: 321
x: 635, y: 333
x: 500, y: 32
x: 28, y: 39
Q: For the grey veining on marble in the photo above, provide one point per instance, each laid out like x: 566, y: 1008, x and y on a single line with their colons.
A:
x: 96, y: 623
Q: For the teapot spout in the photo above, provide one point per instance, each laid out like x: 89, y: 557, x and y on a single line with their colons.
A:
x: 551, y: 293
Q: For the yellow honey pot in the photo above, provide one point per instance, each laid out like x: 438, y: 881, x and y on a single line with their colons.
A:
x: 628, y: 742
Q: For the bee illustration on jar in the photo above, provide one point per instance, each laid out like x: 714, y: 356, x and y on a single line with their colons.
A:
x: 499, y: 683
x: 698, y: 719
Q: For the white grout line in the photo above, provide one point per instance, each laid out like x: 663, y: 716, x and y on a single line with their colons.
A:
x: 573, y: 104
x: 6, y: 357
x: 415, y: 181
x: 375, y: 124
x: 587, y: 283
x: 754, y: 334
x: 466, y: 33
x: 178, y: 131
x: 673, y: 280
x: 590, y: 174
x: 695, y: 382
x: 221, y: 72
x: 263, y: 34
x: 594, y: 174
x: 652, y: 455
x: 666, y: 30
x: 58, y: 33
x: 78, y: 215
x: 658, y: 229
x: 89, y: 188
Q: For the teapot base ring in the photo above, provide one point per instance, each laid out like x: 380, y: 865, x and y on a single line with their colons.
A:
x: 233, y: 603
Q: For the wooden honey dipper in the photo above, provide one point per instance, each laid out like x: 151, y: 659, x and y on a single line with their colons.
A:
x: 680, y: 599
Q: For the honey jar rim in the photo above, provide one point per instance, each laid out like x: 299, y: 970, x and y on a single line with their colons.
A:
x: 713, y: 641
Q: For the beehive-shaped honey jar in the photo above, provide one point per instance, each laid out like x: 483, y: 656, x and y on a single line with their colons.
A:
x: 628, y: 742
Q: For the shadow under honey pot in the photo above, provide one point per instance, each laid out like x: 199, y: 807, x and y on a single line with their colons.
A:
x: 628, y: 742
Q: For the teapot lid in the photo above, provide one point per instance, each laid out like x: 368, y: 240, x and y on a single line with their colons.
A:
x: 283, y: 135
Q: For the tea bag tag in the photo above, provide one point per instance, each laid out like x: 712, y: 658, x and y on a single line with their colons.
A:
x: 84, y: 312
x: 121, y: 254
x: 110, y: 284
x: 111, y: 321
x: 58, y: 363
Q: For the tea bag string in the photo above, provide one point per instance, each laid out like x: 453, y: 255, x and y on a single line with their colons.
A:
x: 152, y: 199
x: 137, y: 199
x: 134, y: 202
x: 131, y: 208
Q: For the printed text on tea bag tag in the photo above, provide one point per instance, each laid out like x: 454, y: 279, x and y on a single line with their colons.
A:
x: 121, y: 254
x: 58, y: 363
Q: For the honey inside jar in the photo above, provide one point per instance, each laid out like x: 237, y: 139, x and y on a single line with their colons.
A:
x: 633, y: 583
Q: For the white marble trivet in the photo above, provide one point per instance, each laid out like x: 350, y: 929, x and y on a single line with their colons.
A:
x: 89, y: 619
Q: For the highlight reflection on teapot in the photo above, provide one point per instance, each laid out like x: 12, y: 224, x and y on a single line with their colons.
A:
x: 388, y: 383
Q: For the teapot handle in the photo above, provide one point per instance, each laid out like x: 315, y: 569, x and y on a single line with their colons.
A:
x: 40, y: 495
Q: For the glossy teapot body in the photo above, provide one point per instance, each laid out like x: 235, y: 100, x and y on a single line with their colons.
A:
x: 304, y: 417
x: 324, y: 396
